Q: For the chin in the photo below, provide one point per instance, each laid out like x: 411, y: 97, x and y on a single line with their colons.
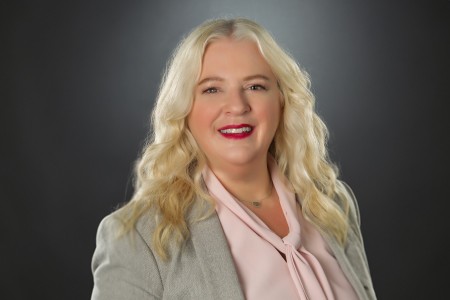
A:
x: 241, y: 159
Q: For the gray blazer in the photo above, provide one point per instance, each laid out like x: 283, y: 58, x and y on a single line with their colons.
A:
x: 129, y: 268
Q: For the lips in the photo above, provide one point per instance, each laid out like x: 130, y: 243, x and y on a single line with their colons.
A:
x: 236, y: 131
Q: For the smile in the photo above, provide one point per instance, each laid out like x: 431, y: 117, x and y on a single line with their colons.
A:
x: 236, y: 130
x: 240, y: 131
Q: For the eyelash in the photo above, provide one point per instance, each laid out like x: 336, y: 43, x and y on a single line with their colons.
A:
x: 257, y: 87
x: 210, y: 90
x: 253, y: 87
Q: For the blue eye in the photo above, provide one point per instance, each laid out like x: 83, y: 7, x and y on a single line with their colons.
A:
x: 257, y: 87
x: 211, y: 90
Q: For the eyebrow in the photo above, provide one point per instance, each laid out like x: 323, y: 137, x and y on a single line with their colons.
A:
x: 251, y: 77
x: 214, y: 78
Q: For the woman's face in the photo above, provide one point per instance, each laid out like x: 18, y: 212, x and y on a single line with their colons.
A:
x: 237, y: 105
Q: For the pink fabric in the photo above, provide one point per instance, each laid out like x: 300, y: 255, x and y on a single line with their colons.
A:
x: 312, y: 274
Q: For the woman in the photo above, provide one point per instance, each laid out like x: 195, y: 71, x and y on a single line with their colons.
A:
x: 235, y: 196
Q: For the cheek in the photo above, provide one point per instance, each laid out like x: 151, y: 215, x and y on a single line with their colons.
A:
x: 195, y: 114
x: 272, y: 113
x: 200, y: 119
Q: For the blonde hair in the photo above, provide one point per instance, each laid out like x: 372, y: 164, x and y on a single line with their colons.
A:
x: 168, y: 174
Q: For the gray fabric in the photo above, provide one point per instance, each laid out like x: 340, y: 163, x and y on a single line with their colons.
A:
x: 127, y: 267
x: 352, y: 257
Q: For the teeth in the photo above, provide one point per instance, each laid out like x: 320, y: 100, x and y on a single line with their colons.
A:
x: 236, y: 130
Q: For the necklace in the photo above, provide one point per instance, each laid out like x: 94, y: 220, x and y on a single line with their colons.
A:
x: 258, y: 203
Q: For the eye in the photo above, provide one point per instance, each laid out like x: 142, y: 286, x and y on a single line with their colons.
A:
x: 211, y: 90
x: 257, y: 87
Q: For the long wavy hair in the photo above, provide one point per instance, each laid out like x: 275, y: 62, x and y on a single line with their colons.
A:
x: 168, y: 173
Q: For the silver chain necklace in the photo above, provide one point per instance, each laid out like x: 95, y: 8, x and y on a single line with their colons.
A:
x: 258, y: 203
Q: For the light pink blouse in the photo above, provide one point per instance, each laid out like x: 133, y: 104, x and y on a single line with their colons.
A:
x: 310, y: 270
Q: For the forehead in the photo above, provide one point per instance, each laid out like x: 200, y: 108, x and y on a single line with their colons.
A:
x: 226, y: 56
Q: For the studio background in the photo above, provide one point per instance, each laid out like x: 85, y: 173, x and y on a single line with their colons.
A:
x: 78, y: 83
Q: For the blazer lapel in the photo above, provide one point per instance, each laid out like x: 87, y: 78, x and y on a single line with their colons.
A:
x: 346, y: 267
x: 215, y: 259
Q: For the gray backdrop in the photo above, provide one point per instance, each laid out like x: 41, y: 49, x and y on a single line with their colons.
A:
x: 78, y: 83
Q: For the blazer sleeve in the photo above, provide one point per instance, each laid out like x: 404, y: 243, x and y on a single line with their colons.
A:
x: 358, y: 257
x: 123, y: 267
x: 355, y: 217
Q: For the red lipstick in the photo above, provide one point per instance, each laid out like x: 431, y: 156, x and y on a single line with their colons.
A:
x: 239, y: 131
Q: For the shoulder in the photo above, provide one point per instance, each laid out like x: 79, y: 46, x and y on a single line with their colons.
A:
x: 111, y: 230
x: 124, y: 264
x: 127, y: 266
x: 346, y: 199
x: 354, y: 248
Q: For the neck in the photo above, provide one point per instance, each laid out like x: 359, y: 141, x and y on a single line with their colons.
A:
x: 244, y: 182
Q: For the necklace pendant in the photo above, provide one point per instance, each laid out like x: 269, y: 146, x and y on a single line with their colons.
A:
x: 256, y: 204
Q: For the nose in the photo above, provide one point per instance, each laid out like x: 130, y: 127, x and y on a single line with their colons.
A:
x: 237, y: 103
